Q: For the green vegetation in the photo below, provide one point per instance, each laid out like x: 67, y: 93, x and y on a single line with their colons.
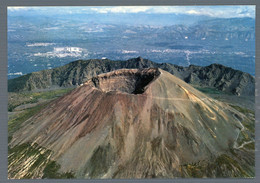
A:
x: 15, y: 123
x: 51, y: 172
x: 244, y: 136
x: 249, y: 122
x: 208, y: 90
x: 50, y: 94
x: 230, y: 164
x: 100, y: 161
x: 224, y: 165
x: 194, y: 170
x: 40, y: 164
x: 249, y: 125
x: 17, y: 99
x: 243, y: 110
x: 250, y: 146
x: 22, y: 153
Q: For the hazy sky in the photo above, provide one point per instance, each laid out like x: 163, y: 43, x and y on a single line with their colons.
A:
x: 212, y: 11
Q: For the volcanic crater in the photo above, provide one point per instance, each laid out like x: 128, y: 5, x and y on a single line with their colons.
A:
x: 132, y: 81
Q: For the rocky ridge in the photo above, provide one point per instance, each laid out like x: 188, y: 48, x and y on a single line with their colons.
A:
x: 75, y: 73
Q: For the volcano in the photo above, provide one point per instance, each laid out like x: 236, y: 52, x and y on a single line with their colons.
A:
x: 131, y: 123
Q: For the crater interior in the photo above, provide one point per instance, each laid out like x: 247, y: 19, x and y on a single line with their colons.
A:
x: 132, y: 81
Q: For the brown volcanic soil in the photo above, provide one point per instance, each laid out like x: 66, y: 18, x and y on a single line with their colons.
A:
x: 132, y: 123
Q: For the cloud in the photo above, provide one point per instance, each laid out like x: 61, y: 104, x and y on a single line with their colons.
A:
x: 17, y: 8
x: 212, y: 11
x: 121, y: 9
x: 193, y: 12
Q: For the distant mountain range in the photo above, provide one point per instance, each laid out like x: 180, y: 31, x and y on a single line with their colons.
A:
x: 75, y: 73
x: 216, y: 29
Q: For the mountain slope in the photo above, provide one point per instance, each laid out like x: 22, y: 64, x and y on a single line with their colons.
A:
x: 75, y: 73
x: 133, y: 123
